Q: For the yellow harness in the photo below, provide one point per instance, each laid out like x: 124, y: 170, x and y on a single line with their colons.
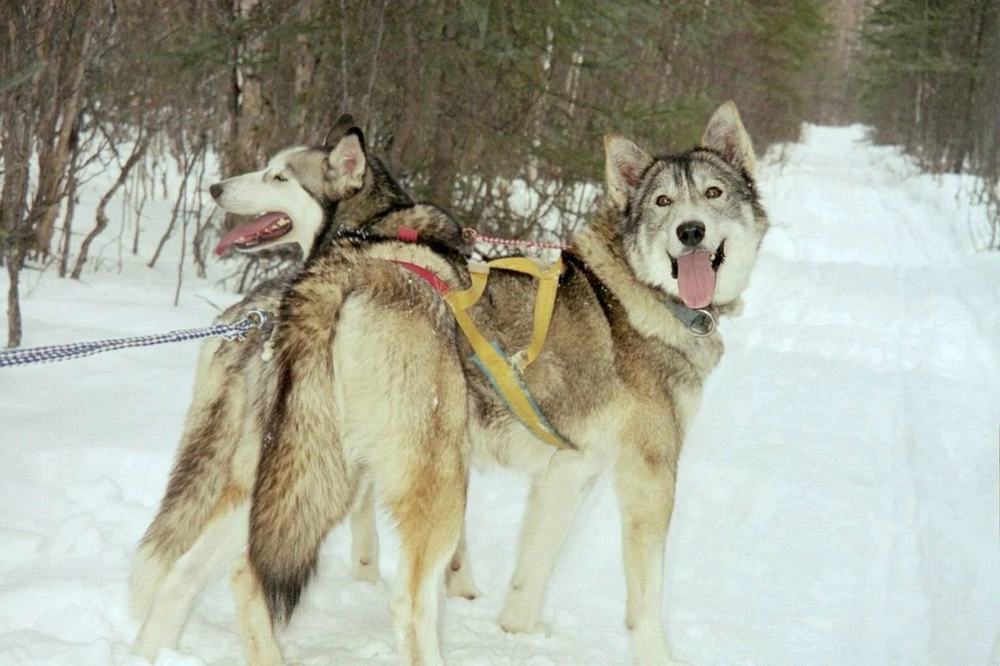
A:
x: 505, y: 373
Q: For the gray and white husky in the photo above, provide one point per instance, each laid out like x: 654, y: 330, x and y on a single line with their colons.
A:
x: 304, y: 196
x: 620, y: 378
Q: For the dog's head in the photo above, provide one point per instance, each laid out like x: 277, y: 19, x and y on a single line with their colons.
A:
x: 692, y: 222
x: 291, y: 197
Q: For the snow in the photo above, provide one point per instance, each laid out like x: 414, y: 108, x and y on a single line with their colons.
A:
x: 837, y: 501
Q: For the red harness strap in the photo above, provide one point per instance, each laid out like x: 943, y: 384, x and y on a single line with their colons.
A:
x: 433, y: 279
x: 408, y: 235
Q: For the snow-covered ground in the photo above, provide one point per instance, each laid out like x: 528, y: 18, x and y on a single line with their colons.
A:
x: 838, y: 497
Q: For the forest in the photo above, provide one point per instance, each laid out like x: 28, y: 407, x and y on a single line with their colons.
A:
x: 468, y: 101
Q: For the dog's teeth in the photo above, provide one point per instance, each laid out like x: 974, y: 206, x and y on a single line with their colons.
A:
x: 284, y: 222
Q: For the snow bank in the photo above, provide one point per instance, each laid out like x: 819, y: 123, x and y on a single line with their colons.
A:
x: 837, y: 501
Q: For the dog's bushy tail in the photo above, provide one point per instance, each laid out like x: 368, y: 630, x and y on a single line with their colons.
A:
x: 198, y: 480
x: 304, y: 485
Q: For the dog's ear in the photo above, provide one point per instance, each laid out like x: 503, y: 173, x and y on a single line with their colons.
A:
x: 725, y: 133
x: 346, y: 163
x: 339, y: 129
x: 624, y: 165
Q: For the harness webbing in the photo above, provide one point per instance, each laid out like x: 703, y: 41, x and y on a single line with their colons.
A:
x: 504, y: 372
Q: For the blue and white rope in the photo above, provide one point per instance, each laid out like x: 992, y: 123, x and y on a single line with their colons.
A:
x: 234, y: 331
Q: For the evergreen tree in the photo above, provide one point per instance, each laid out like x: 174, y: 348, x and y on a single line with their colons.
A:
x: 930, y: 81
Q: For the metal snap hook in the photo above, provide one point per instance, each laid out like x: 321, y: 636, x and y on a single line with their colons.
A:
x: 703, y: 325
x: 257, y: 317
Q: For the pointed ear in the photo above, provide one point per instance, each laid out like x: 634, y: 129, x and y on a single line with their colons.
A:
x: 624, y: 164
x: 725, y: 133
x: 339, y: 129
x: 347, y: 162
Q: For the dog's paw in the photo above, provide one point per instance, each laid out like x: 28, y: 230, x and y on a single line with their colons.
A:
x: 459, y: 584
x: 538, y: 628
x: 522, y: 613
x: 649, y: 645
x: 146, y: 648
x: 458, y: 590
x: 515, y: 620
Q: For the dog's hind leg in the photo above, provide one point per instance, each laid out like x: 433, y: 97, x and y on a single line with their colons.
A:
x: 429, y: 514
x: 256, y: 629
x: 199, y: 477
x: 555, y: 500
x: 223, y: 539
x: 458, y: 576
x: 364, y: 538
x: 418, y: 453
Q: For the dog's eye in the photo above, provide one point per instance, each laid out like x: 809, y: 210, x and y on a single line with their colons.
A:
x: 663, y: 200
x: 713, y: 193
x: 280, y: 178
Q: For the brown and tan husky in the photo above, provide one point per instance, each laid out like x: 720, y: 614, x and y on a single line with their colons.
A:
x: 344, y: 405
x: 307, y: 196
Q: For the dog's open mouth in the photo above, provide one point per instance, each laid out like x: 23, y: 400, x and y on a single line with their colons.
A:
x: 264, y: 227
x: 695, y: 274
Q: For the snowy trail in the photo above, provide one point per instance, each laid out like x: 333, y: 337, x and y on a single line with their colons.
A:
x: 837, y: 501
x: 866, y: 475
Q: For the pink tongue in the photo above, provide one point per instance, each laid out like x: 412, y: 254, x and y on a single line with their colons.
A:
x: 247, y: 231
x: 696, y: 279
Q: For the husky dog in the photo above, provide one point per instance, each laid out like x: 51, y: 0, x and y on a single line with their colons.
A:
x: 620, y: 378
x: 313, y: 194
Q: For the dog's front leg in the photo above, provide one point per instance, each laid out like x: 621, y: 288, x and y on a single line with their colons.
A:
x: 645, y: 484
x: 555, y: 500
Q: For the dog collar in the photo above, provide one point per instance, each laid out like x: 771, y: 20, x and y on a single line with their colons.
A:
x: 700, y: 322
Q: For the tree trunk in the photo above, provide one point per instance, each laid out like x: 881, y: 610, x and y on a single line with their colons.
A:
x: 373, y: 69
x: 573, y: 81
x: 305, y: 69
x: 53, y: 176
x: 246, y: 107
x: 13, y: 209
x: 537, y: 113
x: 442, y: 167
x: 249, y: 104
x: 16, y: 111
x: 188, y: 165
x: 411, y: 94
x: 200, y: 224
x: 345, y: 97
x: 102, y: 219
x: 966, y: 141
x: 67, y: 240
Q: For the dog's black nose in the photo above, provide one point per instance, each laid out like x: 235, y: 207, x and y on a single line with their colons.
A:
x: 215, y: 190
x: 691, y: 233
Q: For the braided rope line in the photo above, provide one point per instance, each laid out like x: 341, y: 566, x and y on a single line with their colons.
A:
x: 472, y: 234
x: 233, y: 332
